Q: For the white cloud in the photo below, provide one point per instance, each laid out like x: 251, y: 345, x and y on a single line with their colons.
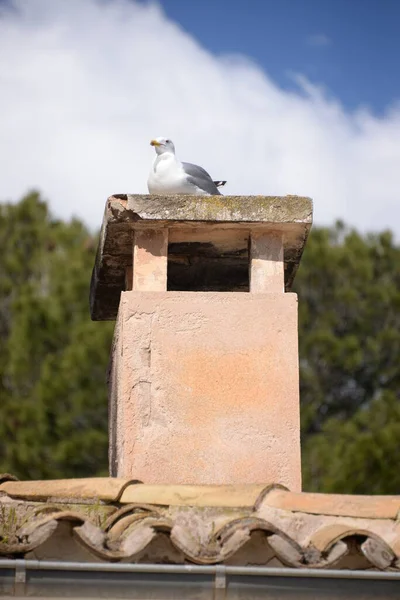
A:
x: 318, y: 39
x: 86, y: 85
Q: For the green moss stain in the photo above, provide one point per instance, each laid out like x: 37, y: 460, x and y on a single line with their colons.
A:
x: 250, y: 208
x: 11, y: 521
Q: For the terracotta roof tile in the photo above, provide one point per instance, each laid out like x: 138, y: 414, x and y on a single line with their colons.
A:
x: 103, y: 488
x: 199, y: 524
x: 368, y: 507
x: 194, y: 495
x: 326, y: 537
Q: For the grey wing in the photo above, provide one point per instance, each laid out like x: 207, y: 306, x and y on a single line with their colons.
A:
x: 199, y: 177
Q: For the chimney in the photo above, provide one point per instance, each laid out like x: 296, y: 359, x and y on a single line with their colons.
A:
x: 204, y: 375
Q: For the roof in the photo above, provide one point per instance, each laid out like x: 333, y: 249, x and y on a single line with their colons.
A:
x: 111, y: 519
x: 185, y: 217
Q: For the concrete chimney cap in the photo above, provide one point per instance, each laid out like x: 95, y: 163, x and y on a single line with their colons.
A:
x: 289, y: 216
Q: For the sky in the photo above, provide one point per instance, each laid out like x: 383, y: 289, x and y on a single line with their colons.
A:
x: 351, y: 47
x: 277, y: 97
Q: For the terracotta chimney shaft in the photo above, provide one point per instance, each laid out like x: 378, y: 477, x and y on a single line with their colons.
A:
x: 203, y: 380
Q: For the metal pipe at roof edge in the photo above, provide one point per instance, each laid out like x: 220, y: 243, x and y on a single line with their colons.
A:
x: 46, y: 565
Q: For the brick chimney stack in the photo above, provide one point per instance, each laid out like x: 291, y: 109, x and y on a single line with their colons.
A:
x: 204, y: 376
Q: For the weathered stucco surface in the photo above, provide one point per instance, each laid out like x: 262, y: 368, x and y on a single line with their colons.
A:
x: 266, y: 263
x: 150, y: 251
x: 204, y: 388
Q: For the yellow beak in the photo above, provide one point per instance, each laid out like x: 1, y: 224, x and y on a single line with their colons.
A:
x: 154, y: 143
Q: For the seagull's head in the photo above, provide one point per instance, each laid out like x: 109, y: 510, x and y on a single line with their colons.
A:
x: 162, y: 145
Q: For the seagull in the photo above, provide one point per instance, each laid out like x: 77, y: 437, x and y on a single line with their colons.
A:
x: 171, y: 176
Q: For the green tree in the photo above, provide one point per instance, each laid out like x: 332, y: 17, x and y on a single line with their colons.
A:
x: 359, y: 455
x: 349, y: 335
x: 53, y: 405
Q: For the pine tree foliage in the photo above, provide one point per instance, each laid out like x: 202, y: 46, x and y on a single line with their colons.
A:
x: 349, y: 335
x: 53, y: 405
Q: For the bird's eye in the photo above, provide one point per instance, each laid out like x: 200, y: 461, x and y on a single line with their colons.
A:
x: 167, y: 141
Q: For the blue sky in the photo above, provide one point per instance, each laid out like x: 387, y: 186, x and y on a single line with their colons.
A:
x: 350, y: 46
